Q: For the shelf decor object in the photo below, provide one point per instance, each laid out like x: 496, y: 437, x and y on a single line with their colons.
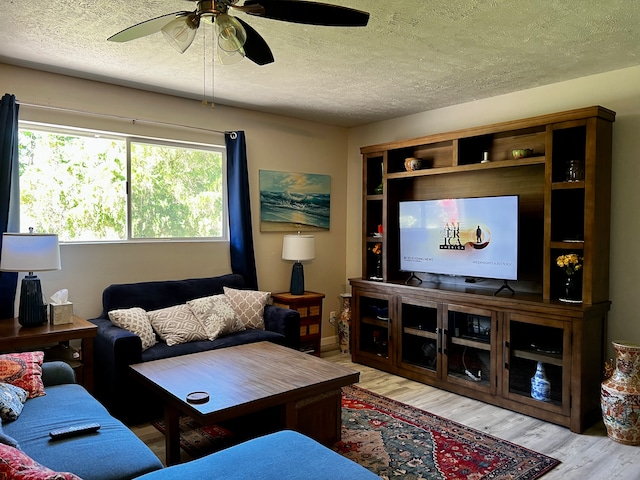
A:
x: 299, y: 248
x: 344, y: 324
x: 571, y: 264
x: 540, y: 386
x: 620, y: 396
x: 29, y: 252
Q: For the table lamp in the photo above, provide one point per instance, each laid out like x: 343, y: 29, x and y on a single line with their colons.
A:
x: 298, y: 248
x: 29, y: 252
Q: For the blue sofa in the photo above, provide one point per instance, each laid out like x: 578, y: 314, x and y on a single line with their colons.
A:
x: 284, y: 455
x: 112, y: 453
x: 116, y: 453
x: 115, y: 348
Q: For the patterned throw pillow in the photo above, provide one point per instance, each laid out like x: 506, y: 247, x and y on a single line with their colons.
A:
x: 17, y: 465
x: 136, y: 321
x: 216, y: 315
x: 177, y: 325
x: 12, y: 400
x: 249, y: 306
x: 23, y: 370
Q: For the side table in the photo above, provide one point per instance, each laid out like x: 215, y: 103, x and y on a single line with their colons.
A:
x: 309, y: 306
x: 16, y: 338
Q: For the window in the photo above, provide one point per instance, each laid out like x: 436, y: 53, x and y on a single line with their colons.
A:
x: 74, y: 183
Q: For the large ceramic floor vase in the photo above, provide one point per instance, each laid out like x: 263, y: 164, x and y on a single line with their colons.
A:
x: 620, y: 395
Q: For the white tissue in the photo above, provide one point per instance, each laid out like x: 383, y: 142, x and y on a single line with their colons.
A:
x: 61, y: 297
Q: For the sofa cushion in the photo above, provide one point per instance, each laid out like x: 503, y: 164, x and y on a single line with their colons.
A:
x: 284, y: 455
x: 23, y: 370
x: 177, y: 324
x: 12, y: 399
x: 248, y: 305
x: 112, y: 453
x: 216, y: 315
x: 136, y: 321
x: 14, y: 464
x: 162, y: 350
x: 165, y: 293
x: 7, y: 440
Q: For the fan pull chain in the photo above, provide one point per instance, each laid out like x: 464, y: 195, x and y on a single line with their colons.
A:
x: 204, y: 71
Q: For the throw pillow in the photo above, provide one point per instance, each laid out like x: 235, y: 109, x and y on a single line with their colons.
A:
x: 177, y: 325
x: 136, y: 321
x: 216, y: 315
x: 249, y: 306
x: 23, y: 370
x: 17, y: 465
x: 12, y: 400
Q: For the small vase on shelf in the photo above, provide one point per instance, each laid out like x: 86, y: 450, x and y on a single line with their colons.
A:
x: 571, y: 291
x: 540, y: 386
x: 344, y: 323
x: 620, y: 396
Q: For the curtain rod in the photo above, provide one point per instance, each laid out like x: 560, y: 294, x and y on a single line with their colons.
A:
x: 120, y: 117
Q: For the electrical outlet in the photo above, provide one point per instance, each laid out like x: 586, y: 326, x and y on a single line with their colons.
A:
x: 332, y: 314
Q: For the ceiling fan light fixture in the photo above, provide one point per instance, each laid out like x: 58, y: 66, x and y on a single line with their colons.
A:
x: 231, y: 34
x: 181, y: 32
x: 230, y: 58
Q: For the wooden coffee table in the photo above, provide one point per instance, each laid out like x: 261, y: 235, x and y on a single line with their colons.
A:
x: 301, y: 390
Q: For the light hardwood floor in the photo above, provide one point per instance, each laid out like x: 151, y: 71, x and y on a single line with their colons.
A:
x: 588, y: 456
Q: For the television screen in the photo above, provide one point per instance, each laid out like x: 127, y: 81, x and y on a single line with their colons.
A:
x: 471, y: 237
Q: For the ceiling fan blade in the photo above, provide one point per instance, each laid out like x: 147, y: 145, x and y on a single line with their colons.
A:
x: 145, y: 28
x: 255, y: 48
x: 310, y: 13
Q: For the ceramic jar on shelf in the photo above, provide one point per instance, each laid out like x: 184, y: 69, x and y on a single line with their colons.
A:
x: 620, y: 395
x: 540, y: 386
x: 344, y: 323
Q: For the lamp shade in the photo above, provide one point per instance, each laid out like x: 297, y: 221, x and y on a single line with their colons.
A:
x: 299, y: 247
x: 24, y: 252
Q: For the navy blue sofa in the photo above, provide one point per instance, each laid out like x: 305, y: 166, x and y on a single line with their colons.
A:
x: 115, y: 348
x: 112, y: 453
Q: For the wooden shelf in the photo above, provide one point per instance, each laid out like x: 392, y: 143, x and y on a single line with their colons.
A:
x: 468, y: 168
x: 550, y: 358
x: 467, y: 342
x: 420, y: 333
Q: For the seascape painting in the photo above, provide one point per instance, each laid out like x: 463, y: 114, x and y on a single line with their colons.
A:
x: 294, y: 201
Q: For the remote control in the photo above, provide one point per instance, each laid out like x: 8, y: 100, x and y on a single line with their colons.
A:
x: 74, y: 430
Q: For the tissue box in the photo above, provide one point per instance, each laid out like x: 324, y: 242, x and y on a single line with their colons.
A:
x: 59, y: 314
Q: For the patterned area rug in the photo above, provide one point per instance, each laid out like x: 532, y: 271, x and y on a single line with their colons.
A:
x: 395, y: 440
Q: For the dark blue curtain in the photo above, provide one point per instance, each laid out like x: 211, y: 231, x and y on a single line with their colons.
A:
x: 9, y: 207
x: 243, y: 260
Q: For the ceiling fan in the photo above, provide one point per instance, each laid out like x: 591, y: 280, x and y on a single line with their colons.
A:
x: 236, y: 38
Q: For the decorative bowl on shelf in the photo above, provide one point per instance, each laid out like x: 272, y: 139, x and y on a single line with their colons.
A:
x: 521, y: 153
x: 411, y: 164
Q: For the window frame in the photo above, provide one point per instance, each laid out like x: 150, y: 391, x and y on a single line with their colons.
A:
x: 128, y: 139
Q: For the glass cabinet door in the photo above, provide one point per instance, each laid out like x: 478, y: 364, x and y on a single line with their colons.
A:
x: 373, y: 335
x: 470, y: 335
x: 536, y: 363
x: 420, y: 345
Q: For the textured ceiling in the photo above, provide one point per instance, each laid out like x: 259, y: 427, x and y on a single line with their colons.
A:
x: 415, y: 55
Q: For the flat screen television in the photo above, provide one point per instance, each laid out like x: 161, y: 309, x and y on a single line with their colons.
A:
x: 470, y: 237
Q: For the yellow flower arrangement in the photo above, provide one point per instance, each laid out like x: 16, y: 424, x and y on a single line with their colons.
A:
x: 570, y: 263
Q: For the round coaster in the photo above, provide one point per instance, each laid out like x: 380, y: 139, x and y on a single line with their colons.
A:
x: 198, y: 397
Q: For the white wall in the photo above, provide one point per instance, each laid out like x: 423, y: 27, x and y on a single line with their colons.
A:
x: 273, y: 143
x: 618, y: 90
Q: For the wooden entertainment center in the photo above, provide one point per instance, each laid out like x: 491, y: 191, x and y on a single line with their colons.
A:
x: 456, y: 333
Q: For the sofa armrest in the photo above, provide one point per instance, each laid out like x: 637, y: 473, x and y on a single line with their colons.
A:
x: 114, y: 349
x: 285, y: 322
x: 57, y: 373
